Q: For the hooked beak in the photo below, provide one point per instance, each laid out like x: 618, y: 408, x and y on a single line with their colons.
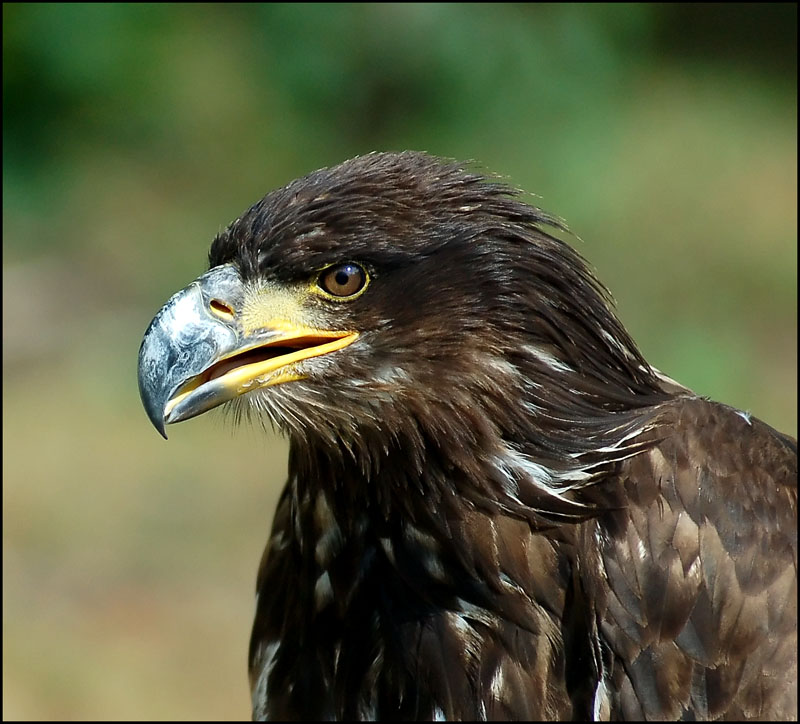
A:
x: 203, y: 348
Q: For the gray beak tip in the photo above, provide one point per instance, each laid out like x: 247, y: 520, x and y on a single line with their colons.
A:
x: 152, y: 406
x: 181, y: 341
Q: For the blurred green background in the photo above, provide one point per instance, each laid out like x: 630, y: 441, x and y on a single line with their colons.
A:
x: 666, y: 135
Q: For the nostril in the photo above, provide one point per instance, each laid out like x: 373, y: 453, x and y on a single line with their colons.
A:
x: 221, y: 309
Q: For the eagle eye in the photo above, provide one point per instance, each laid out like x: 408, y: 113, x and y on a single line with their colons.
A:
x: 343, y: 280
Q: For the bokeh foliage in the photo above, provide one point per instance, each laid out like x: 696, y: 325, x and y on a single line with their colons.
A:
x: 665, y: 134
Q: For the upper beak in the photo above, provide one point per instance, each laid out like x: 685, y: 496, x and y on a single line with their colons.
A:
x: 196, y: 353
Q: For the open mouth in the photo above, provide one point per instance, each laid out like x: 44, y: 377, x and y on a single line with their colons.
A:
x: 258, y: 365
x: 263, y: 353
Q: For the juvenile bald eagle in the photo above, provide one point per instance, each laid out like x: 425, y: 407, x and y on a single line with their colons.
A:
x: 496, y: 508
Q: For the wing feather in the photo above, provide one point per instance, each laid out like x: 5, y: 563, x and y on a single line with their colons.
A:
x: 701, y: 568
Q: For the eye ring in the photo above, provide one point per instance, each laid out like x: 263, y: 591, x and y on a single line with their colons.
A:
x: 343, y: 281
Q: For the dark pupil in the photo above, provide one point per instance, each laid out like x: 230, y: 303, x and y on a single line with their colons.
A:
x: 343, y: 276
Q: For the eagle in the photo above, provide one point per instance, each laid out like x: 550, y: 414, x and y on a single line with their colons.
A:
x: 495, y: 507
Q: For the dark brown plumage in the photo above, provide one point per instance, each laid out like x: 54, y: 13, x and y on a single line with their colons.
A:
x: 496, y: 509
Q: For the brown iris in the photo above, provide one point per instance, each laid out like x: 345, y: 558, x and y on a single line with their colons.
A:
x: 343, y: 280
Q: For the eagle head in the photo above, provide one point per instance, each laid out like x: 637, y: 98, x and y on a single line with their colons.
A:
x: 398, y: 304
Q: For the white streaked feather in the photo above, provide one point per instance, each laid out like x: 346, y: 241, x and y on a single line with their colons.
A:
x: 498, y: 682
x: 514, y: 465
x: 547, y: 358
x: 265, y: 655
x: 323, y: 591
x: 601, y: 706
x: 616, y: 344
